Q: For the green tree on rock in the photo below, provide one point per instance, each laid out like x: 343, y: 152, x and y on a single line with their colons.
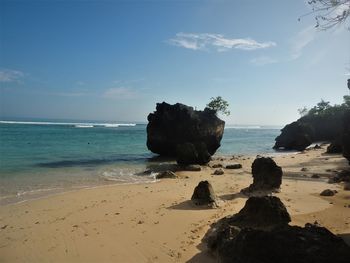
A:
x: 218, y: 104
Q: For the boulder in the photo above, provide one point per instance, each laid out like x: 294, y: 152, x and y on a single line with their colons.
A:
x: 260, y: 233
x: 286, y: 244
x: 267, y: 175
x: 234, y: 166
x: 294, y: 136
x: 218, y: 172
x: 217, y: 165
x: 204, y: 194
x: 328, y: 192
x: 258, y: 212
x: 336, y: 146
x: 179, y: 131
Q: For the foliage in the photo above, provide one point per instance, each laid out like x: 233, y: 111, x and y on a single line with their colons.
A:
x: 329, y: 13
x: 218, y: 104
x: 323, y: 108
x: 303, y: 111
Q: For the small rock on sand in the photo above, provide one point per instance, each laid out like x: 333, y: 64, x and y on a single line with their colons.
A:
x: 234, y: 166
x: 315, y: 176
x: 217, y: 165
x: 328, y: 192
x: 219, y: 172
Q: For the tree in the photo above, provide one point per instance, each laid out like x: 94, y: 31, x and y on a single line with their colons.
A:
x: 329, y: 13
x: 218, y: 104
x: 303, y: 111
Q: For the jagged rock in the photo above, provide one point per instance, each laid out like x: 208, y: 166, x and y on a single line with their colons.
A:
x: 219, y: 172
x: 234, y: 166
x: 258, y: 212
x: 267, y: 175
x: 335, y: 146
x: 343, y: 176
x: 180, y: 131
x: 204, y: 194
x: 166, y: 174
x: 328, y: 192
x: 294, y: 136
x: 260, y: 233
x: 286, y: 244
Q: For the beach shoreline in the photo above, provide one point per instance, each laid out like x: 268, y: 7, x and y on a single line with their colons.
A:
x: 156, y: 222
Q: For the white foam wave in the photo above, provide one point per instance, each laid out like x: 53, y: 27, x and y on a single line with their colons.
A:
x: 76, y: 124
x: 127, y: 176
x: 84, y: 126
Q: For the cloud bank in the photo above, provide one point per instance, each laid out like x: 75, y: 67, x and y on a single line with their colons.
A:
x: 206, y: 41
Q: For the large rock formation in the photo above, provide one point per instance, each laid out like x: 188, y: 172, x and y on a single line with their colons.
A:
x: 294, y: 136
x: 260, y: 233
x: 267, y: 175
x: 287, y: 244
x: 182, y: 132
x: 324, y: 125
x: 346, y: 135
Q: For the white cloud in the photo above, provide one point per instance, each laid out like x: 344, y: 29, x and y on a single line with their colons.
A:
x: 120, y: 93
x: 206, y: 41
x: 263, y: 60
x: 301, y: 40
x: 9, y: 75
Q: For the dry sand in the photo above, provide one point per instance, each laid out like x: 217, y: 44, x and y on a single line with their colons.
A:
x: 157, y: 222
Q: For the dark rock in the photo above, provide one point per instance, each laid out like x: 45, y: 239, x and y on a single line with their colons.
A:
x: 191, y: 153
x: 166, y: 174
x: 328, y: 192
x: 258, y: 212
x: 346, y: 135
x: 179, y: 131
x: 267, y: 175
x: 343, y: 176
x: 286, y: 244
x: 336, y: 146
x: 204, y: 194
x: 234, y: 166
x: 217, y: 165
x: 260, y: 233
x: 315, y: 176
x: 191, y: 168
x: 294, y: 136
x: 333, y: 180
x: 347, y: 186
x: 304, y: 169
x: 219, y: 172
x: 317, y: 147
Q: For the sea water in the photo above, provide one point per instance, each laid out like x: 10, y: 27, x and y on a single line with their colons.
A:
x: 44, y: 157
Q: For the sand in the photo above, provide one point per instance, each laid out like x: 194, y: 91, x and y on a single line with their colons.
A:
x: 157, y: 222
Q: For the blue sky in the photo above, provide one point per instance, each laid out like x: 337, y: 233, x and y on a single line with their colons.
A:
x: 114, y: 60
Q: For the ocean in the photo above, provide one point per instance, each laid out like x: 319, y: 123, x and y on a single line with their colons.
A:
x: 39, y: 158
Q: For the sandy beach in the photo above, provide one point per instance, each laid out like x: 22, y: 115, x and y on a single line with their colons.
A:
x: 157, y: 222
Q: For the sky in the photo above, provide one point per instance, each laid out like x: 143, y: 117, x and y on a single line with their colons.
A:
x: 114, y: 60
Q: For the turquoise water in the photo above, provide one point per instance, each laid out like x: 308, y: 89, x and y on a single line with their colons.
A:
x: 46, y: 157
